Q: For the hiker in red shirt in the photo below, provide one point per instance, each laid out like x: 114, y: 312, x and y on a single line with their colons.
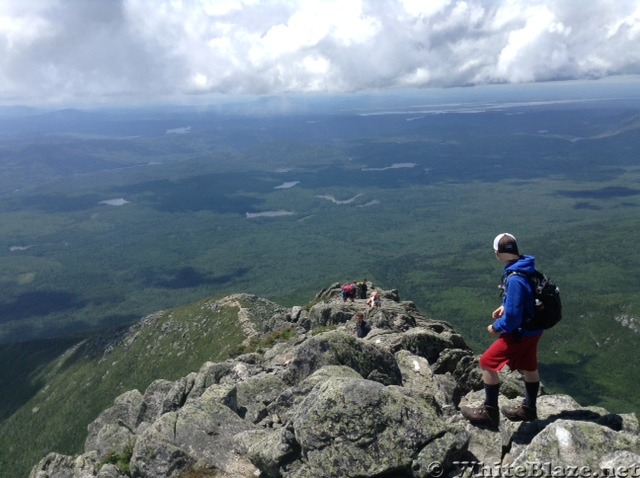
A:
x: 349, y: 292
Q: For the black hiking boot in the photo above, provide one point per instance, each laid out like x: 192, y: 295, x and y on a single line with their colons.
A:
x: 483, y: 415
x: 520, y: 413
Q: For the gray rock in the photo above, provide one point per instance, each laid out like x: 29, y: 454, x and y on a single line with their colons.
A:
x: 329, y: 292
x: 178, y: 393
x: 55, y: 465
x: 446, y: 451
x: 226, y: 395
x: 358, y: 427
x: 157, y: 452
x: 449, y: 359
x: 269, y: 450
x: 415, y: 370
x: 256, y: 394
x: 283, y: 408
x: 552, y: 408
x: 115, y: 429
x: 333, y: 313
x: 153, y: 400
x: 338, y: 348
x: 422, y: 341
x: 111, y: 471
x: 210, y: 373
x: 198, y: 436
x: 576, y: 443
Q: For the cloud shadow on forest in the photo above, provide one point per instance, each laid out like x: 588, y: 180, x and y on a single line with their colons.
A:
x: 39, y: 303
x: 189, y: 277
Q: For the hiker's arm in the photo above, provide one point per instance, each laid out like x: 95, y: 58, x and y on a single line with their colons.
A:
x: 499, y: 312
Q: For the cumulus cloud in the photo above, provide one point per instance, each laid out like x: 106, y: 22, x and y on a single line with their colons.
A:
x: 107, y: 50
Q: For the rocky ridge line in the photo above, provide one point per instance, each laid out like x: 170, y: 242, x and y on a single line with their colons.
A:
x: 326, y: 404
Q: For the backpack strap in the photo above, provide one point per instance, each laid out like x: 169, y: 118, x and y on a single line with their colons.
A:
x: 533, y: 279
x: 503, y: 285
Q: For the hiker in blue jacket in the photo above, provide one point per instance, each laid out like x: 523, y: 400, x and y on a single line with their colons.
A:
x: 519, y: 304
x: 515, y: 346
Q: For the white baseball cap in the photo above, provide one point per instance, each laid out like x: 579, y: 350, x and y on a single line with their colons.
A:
x: 509, y: 245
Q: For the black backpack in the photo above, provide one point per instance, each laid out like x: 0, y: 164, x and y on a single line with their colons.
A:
x: 548, y: 304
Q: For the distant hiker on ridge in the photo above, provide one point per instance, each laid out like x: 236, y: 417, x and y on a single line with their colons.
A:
x: 362, y: 327
x: 362, y: 289
x: 516, y: 346
x: 349, y: 292
x: 375, y: 299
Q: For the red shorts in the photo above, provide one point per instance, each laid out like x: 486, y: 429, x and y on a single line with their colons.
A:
x: 519, y: 354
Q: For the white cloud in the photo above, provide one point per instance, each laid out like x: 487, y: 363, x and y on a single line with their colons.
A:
x: 137, y: 50
x: 224, y: 7
x: 424, y: 8
x: 520, y: 59
x: 627, y: 26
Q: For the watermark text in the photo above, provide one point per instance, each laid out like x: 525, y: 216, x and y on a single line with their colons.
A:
x: 531, y: 470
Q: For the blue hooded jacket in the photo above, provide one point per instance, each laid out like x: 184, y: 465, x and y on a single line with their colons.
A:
x: 518, y: 299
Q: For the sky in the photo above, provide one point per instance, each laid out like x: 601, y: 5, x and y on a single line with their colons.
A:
x: 119, y: 51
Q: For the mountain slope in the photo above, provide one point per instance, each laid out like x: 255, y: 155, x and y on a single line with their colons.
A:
x: 85, y: 379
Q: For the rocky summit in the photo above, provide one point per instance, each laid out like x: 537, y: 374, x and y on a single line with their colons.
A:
x: 319, y: 402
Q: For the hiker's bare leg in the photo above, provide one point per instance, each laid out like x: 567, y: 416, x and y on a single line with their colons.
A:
x: 490, y: 377
x: 531, y: 376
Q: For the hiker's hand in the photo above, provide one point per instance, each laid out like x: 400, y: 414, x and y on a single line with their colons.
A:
x: 499, y: 312
x: 491, y: 331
